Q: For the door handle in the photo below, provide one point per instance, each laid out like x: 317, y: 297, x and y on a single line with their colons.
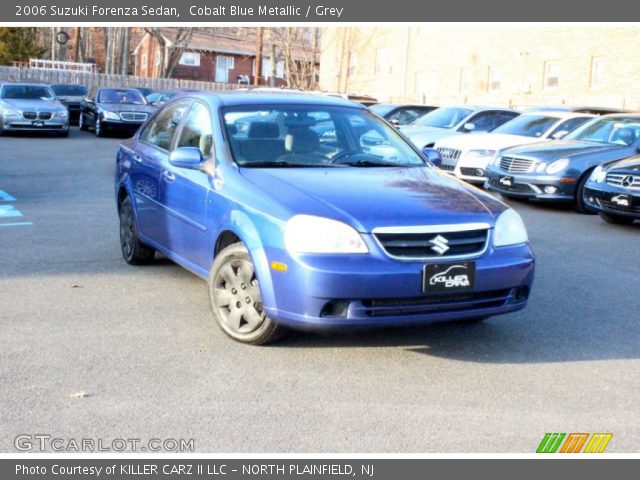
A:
x: 168, y: 176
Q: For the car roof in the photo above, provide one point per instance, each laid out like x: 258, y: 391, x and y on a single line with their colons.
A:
x: 480, y: 108
x: 248, y: 98
x: 25, y: 84
x: 560, y: 114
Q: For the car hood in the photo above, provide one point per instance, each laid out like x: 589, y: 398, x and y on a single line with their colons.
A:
x: 37, y: 105
x: 126, y: 107
x: 486, y: 141
x: 367, y: 198
x: 422, y: 136
x: 627, y: 165
x: 552, y: 150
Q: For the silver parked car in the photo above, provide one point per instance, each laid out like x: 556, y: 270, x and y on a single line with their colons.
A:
x: 31, y: 107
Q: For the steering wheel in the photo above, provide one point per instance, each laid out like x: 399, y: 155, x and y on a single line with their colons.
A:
x: 343, y: 154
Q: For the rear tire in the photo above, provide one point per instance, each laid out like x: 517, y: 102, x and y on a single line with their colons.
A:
x: 133, y: 250
x: 236, y: 301
x: 616, y: 219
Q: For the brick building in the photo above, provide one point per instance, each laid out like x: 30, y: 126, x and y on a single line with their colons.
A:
x: 224, y: 54
x: 512, y: 64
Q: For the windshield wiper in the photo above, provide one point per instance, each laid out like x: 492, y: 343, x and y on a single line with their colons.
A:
x: 369, y: 163
x: 282, y: 164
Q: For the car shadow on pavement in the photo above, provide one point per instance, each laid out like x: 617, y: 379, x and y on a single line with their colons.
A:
x: 499, y: 340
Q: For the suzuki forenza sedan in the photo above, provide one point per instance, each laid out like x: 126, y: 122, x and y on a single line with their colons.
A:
x: 294, y: 221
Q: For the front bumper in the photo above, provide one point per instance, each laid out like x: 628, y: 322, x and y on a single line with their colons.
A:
x: 18, y: 124
x: 324, y: 292
x: 473, y: 171
x: 121, y: 125
x: 613, y: 200
x: 532, y: 186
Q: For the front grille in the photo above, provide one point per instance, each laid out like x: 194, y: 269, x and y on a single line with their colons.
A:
x: 516, y: 165
x: 447, y: 168
x: 630, y: 181
x: 455, y: 302
x: 45, y: 115
x: 133, y: 116
x: 30, y: 115
x: 450, y: 153
x: 421, y: 245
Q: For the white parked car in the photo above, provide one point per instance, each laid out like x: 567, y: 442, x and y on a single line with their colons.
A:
x: 467, y: 156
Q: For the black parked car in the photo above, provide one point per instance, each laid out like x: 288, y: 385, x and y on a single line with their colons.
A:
x: 146, y: 91
x: 401, y: 114
x: 558, y: 170
x: 109, y: 109
x: 70, y: 95
x: 613, y: 190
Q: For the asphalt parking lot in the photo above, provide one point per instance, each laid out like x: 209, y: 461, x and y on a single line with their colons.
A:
x: 140, y: 343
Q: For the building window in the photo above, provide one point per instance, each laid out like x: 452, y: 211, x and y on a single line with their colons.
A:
x: 191, y: 59
x: 597, y: 72
x: 353, y: 63
x: 157, y: 57
x: 495, y: 79
x: 384, y: 61
x: 465, y: 80
x: 144, y: 60
x: 266, y: 68
x: 551, y: 74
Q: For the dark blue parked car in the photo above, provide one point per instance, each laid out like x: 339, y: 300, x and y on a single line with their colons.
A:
x: 291, y: 231
x: 613, y: 190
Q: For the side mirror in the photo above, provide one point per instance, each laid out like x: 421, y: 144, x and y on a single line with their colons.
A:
x: 560, y: 134
x: 395, y: 122
x: 433, y: 156
x: 187, y: 157
x: 469, y: 127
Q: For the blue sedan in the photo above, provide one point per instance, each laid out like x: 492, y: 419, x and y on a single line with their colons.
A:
x: 296, y: 219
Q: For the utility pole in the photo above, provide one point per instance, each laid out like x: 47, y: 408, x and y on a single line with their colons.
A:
x: 259, y: 36
x: 274, y: 66
x: 76, y: 47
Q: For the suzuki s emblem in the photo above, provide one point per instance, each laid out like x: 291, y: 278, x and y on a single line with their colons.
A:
x: 439, y: 244
x: 627, y: 181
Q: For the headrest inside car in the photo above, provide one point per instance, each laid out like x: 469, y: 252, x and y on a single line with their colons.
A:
x: 302, y: 141
x: 300, y: 122
x: 262, y: 129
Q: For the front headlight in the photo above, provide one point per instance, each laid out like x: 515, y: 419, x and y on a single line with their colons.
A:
x: 541, y: 167
x: 557, y: 166
x: 62, y: 114
x: 311, y: 234
x: 480, y: 153
x: 509, y: 229
x: 11, y: 113
x: 110, y: 115
x: 598, y: 175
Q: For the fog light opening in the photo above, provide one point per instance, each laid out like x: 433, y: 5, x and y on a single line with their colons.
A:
x: 480, y: 172
x: 550, y: 189
x: 521, y: 294
x: 335, y: 308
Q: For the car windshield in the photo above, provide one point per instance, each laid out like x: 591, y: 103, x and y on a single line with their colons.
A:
x: 447, y: 117
x: 69, y: 90
x: 121, y: 96
x: 608, y: 130
x: 381, y: 109
x: 527, y: 125
x: 314, y: 136
x: 26, y: 92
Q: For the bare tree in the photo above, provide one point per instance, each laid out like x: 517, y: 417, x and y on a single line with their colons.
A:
x: 172, y: 44
x: 298, y: 48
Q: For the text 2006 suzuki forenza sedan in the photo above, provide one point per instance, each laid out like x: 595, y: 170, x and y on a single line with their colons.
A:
x: 296, y: 218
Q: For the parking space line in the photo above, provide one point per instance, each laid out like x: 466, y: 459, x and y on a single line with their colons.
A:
x: 9, y: 211
x: 5, y: 197
x: 16, y: 224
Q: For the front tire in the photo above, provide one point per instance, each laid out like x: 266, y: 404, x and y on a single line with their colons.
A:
x: 99, y: 128
x: 616, y: 219
x: 82, y: 123
x: 236, y: 300
x: 133, y: 250
x: 579, y: 204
